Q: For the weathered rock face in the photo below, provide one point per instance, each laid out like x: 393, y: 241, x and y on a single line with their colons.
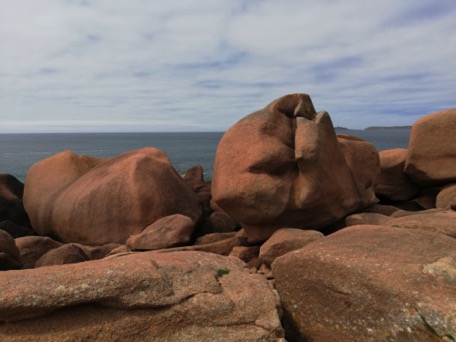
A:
x: 140, y: 297
x: 431, y: 158
x: 169, y: 231
x: 9, y: 254
x: 392, y: 183
x: 369, y: 283
x: 283, y: 167
x: 96, y: 201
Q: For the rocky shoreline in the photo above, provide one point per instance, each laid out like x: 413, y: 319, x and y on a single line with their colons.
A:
x: 302, y: 235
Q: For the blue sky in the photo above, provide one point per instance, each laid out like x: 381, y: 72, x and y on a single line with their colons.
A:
x: 197, y: 65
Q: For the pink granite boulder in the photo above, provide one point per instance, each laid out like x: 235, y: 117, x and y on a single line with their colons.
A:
x: 96, y: 201
x: 283, y: 167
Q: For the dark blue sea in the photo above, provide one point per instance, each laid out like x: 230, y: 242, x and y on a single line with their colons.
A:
x: 18, y: 152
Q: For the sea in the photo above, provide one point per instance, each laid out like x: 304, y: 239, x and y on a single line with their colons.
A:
x: 18, y: 152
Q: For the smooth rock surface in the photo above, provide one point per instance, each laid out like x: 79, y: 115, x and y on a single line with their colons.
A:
x: 431, y: 157
x: 170, y: 231
x: 96, y: 201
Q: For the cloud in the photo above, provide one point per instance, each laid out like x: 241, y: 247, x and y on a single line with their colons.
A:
x: 203, y: 65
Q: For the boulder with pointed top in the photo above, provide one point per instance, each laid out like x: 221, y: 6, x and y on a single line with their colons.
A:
x: 283, y: 167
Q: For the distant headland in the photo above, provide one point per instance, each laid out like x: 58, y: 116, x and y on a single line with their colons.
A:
x: 372, y: 128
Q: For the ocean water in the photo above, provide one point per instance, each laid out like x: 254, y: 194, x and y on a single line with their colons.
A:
x: 18, y: 152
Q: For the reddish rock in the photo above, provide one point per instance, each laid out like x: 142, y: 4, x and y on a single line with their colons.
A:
x: 96, y: 201
x: 366, y: 218
x: 170, y: 231
x: 392, y: 183
x: 221, y: 247
x: 283, y: 167
x: 183, y: 296
x: 195, y: 177
x: 284, y: 241
x: 214, y: 237
x: 248, y: 254
x: 99, y: 252
x: 431, y: 158
x: 383, y: 209
x: 369, y: 283
x: 364, y: 162
x: 402, y: 213
x: 31, y: 248
x: 70, y: 253
x: 217, y: 222
x: 9, y: 254
x: 446, y: 199
x: 436, y: 221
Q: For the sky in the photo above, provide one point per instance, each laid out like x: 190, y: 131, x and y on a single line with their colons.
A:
x: 202, y: 65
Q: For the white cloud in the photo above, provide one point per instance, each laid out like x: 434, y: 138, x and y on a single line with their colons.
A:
x: 202, y: 65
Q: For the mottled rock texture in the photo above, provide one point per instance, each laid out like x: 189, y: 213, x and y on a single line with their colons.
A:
x: 184, y: 296
x: 370, y: 283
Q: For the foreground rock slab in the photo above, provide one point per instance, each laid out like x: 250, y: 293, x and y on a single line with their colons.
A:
x: 370, y: 283
x: 183, y: 296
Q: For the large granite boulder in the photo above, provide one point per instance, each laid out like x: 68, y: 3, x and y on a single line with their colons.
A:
x: 184, y: 296
x: 431, y: 158
x: 370, y: 283
x: 96, y: 201
x: 283, y: 167
x: 392, y: 182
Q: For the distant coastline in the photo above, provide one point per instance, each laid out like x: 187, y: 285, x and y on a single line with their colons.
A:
x: 372, y: 128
